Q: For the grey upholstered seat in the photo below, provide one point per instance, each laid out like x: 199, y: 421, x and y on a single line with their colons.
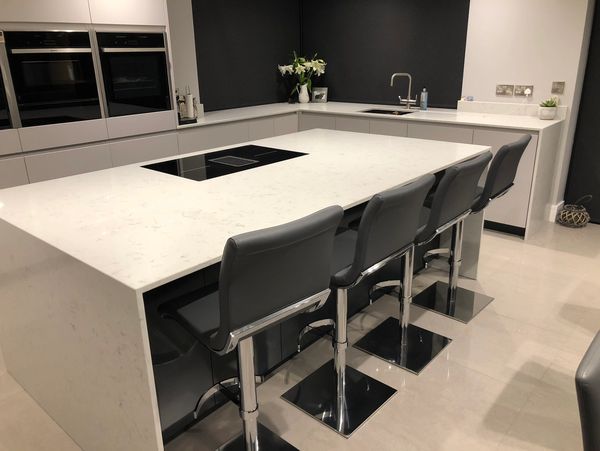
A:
x: 587, y: 382
x: 388, y: 224
x: 453, y: 196
x: 263, y: 272
x: 501, y: 175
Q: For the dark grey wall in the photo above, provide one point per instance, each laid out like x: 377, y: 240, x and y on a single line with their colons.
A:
x: 238, y: 46
x: 364, y: 42
x: 240, y: 43
x: 584, y: 171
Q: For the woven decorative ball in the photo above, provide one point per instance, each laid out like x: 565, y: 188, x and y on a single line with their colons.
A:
x: 575, y: 215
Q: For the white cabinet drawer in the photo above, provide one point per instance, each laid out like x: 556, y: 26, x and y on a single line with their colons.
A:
x: 62, y: 163
x: 388, y: 127
x: 143, y: 149
x: 209, y: 136
x: 260, y: 128
x: 282, y: 125
x: 62, y: 135
x: 9, y: 142
x: 352, y: 124
x: 309, y: 121
x: 512, y: 208
x: 12, y: 172
x: 450, y: 133
x: 139, y: 124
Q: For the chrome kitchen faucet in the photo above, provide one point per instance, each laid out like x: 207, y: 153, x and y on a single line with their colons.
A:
x: 408, y: 100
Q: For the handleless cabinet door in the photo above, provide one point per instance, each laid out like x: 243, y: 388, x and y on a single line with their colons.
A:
x: 450, y: 133
x: 210, y: 136
x: 58, y: 11
x: 282, y: 125
x: 309, y: 121
x: 510, y: 209
x: 129, y: 12
x: 13, y: 172
x: 390, y: 127
x: 261, y: 128
x: 143, y: 149
x: 352, y: 124
x: 9, y: 142
x: 62, y: 163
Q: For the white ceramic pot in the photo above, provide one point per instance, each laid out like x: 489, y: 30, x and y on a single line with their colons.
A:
x: 547, y: 113
x: 303, y: 94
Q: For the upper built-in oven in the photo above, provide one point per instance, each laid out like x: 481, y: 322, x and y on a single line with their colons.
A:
x: 134, y: 69
x: 53, y: 76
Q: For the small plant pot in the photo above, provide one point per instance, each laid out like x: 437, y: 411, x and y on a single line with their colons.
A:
x: 547, y: 113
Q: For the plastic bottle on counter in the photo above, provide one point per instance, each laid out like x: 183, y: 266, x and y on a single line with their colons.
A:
x: 424, y: 99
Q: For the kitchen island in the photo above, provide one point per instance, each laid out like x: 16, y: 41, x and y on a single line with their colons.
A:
x: 80, y: 253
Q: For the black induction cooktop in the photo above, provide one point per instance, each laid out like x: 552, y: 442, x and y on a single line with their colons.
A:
x: 223, y: 162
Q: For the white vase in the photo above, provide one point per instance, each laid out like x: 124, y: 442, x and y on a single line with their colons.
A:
x: 547, y: 113
x: 303, y: 94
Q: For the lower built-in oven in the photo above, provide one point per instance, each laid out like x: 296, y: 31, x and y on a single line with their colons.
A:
x: 135, y: 73
x: 53, y: 76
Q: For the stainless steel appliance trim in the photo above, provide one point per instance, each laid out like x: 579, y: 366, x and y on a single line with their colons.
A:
x: 132, y: 49
x: 11, y: 98
x: 50, y: 50
x: 98, y: 73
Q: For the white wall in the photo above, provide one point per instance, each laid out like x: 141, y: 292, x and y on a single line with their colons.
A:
x: 530, y: 42
x: 183, y: 46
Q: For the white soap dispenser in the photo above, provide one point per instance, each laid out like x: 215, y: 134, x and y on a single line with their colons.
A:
x: 424, y: 99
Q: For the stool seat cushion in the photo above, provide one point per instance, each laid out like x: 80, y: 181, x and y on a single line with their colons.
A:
x: 478, y: 193
x: 344, y: 246
x: 201, y: 317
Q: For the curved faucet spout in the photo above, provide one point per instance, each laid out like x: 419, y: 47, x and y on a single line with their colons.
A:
x: 408, y: 99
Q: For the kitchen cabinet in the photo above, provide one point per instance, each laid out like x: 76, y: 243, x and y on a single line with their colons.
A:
x: 512, y: 208
x: 209, y: 136
x: 451, y: 133
x: 129, y: 12
x: 388, y: 127
x: 308, y: 121
x: 352, y: 124
x: 58, y: 11
x: 62, y: 163
x: 62, y: 135
x: 139, y: 124
x: 260, y: 128
x: 13, y: 172
x: 9, y: 142
x: 282, y: 125
x: 143, y: 149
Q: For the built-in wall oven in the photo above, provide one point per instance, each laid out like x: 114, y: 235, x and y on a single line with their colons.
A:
x: 53, y: 76
x: 135, y: 73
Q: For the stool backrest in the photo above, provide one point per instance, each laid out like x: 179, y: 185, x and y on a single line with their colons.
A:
x: 454, y: 194
x: 265, y: 271
x: 587, y: 382
x: 503, y: 170
x: 388, y: 225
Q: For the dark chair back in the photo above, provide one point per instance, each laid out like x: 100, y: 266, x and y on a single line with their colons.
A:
x: 454, y: 195
x: 503, y: 170
x: 388, y: 224
x: 587, y: 382
x: 265, y: 271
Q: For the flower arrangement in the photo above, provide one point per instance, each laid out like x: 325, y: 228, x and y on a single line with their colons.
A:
x: 304, y: 69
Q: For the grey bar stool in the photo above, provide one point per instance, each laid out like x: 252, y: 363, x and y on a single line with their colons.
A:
x: 266, y: 277
x: 336, y: 394
x: 587, y: 383
x: 450, y: 299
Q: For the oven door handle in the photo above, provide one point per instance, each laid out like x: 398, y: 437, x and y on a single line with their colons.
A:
x: 49, y: 50
x: 133, y: 49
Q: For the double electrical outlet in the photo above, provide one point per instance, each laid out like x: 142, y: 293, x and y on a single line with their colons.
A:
x: 514, y: 90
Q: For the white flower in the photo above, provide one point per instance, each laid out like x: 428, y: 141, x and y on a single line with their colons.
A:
x: 300, y: 69
x: 286, y: 69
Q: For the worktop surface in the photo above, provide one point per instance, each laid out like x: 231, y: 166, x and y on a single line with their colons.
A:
x: 144, y: 228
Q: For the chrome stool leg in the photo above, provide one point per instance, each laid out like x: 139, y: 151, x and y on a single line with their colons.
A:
x: 254, y: 436
x: 399, y: 342
x: 336, y: 394
x: 448, y: 298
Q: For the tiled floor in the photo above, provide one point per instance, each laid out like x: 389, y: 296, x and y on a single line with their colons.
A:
x: 505, y: 382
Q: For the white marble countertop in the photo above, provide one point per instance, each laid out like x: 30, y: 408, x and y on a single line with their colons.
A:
x: 438, y: 115
x: 144, y: 228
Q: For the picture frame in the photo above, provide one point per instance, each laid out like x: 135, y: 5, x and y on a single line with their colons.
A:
x: 319, y: 95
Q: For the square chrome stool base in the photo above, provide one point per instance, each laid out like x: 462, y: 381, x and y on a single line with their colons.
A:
x: 411, y: 350
x: 466, y: 306
x: 316, y: 395
x: 267, y: 440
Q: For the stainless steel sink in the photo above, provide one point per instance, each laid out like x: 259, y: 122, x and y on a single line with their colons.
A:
x: 390, y: 112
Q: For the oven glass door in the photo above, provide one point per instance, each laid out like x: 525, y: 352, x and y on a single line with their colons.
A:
x: 135, y: 81
x: 55, y: 87
x: 4, y: 114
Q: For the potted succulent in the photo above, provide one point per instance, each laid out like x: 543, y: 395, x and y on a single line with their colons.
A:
x: 547, y: 109
x: 303, y: 69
